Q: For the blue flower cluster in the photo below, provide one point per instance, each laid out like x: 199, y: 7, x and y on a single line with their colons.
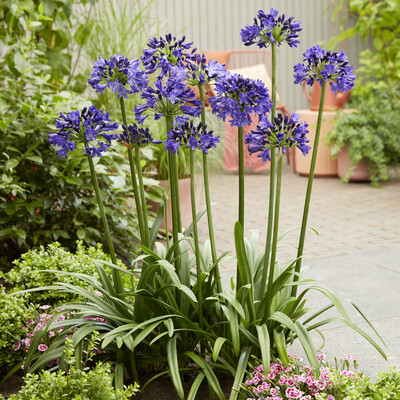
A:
x: 116, y: 74
x: 238, y: 97
x: 285, y: 132
x: 169, y: 97
x: 189, y: 135
x: 85, y: 127
x: 134, y: 136
x: 325, y: 66
x: 271, y: 28
x: 164, y: 53
x: 201, y: 72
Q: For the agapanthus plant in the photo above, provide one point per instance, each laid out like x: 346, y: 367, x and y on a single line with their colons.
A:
x: 165, y: 53
x: 134, y: 136
x: 120, y: 74
x: 271, y: 28
x: 201, y: 72
x: 88, y: 126
x: 325, y: 66
x: 284, y: 132
x: 190, y: 135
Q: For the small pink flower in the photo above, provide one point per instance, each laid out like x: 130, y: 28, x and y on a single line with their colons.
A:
x: 330, y: 397
x: 52, y: 334
x: 42, y: 347
x: 293, y: 393
x: 17, y: 346
x: 99, y: 294
x: 45, y: 307
x: 275, y: 391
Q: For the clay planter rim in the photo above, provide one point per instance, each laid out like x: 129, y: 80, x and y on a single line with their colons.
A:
x: 360, y: 172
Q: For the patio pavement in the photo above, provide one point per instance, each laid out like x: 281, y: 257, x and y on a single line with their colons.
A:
x: 356, y: 254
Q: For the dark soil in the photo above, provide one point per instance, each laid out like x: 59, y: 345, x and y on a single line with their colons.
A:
x: 12, y: 385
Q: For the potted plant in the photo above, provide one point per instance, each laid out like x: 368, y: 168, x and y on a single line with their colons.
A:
x: 364, y: 142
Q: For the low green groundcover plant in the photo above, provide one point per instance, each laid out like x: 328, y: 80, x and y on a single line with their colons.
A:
x: 28, y: 271
x: 14, y: 316
x: 72, y: 382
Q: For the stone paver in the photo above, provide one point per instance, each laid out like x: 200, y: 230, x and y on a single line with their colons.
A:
x: 356, y: 253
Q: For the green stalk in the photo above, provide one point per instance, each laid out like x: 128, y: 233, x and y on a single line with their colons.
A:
x: 178, y: 204
x: 196, y: 240
x: 207, y: 197
x: 276, y: 226
x: 143, y: 198
x: 116, y: 277
x: 241, y: 177
x: 309, y: 187
x: 133, y: 179
x: 271, y: 182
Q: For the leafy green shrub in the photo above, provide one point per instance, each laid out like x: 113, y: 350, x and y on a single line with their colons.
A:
x: 13, y: 317
x: 385, y: 387
x: 27, y: 274
x: 43, y: 197
x: 73, y: 383
x: 371, y: 134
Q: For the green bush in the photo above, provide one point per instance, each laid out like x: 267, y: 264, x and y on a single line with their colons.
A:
x: 73, y: 383
x: 385, y: 387
x: 27, y: 274
x: 14, y: 316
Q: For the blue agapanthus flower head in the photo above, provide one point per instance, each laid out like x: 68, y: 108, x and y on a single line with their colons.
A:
x: 190, y: 135
x: 325, y: 66
x: 88, y: 126
x: 121, y: 75
x: 169, y: 97
x: 201, y: 72
x: 166, y: 53
x: 134, y: 136
x: 238, y: 97
x: 284, y: 132
x: 271, y: 28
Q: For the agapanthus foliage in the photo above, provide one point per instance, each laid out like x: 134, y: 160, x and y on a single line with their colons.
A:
x: 190, y: 135
x: 88, y: 126
x: 297, y: 380
x: 165, y: 53
x: 169, y: 97
x: 121, y: 75
x: 271, y: 28
x: 201, y: 72
x: 284, y: 132
x: 325, y: 66
x: 134, y: 136
x: 238, y: 97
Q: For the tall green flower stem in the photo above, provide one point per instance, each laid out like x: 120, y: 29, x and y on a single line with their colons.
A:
x: 241, y: 176
x: 174, y: 197
x: 207, y: 196
x: 276, y: 226
x: 309, y: 187
x: 115, y: 274
x: 196, y: 239
x: 271, y: 181
x: 140, y: 206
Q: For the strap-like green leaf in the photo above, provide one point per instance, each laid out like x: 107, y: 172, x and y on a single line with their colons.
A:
x: 217, y: 347
x: 157, y: 224
x: 240, y: 371
x: 172, y: 357
x: 283, y: 319
x: 265, y: 347
x: 308, y: 346
x: 280, y: 343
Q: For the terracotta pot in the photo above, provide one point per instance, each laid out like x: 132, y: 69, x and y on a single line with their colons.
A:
x: 360, y: 172
x: 332, y: 101
x: 185, y: 204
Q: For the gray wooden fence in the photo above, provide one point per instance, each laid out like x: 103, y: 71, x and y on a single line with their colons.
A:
x: 216, y: 25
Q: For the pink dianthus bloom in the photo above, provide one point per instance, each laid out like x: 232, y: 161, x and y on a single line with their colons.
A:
x: 42, y: 347
x: 293, y: 393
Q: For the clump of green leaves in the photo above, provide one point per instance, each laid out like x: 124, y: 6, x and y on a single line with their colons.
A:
x: 385, y: 387
x: 27, y: 272
x: 13, y: 317
x: 371, y: 134
x: 76, y: 382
